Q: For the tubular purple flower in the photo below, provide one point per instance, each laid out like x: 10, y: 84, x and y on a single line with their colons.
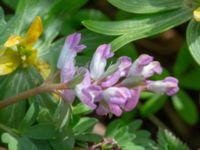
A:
x: 113, y: 100
x: 69, y: 50
x: 101, y: 110
x: 116, y: 95
x: 169, y: 86
x: 133, y: 100
x: 124, y: 64
x: 139, y: 64
x: 99, y: 59
x: 66, y: 62
x: 90, y: 95
x: 87, y: 92
x: 151, y: 68
x: 115, y: 109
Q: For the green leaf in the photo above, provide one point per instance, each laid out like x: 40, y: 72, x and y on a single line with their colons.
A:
x: 2, y: 20
x: 146, y: 95
x: 20, y: 143
x: 19, y: 81
x: 89, y: 14
x: 193, y: 39
x: 84, y: 125
x: 153, y: 105
x: 90, y: 137
x: 146, y: 6
x: 64, y: 140
x: 144, y: 24
x: 140, y: 27
x: 167, y: 141
x: 12, y: 4
x: 81, y: 109
x: 185, y: 107
x: 181, y: 65
x: 62, y: 115
x: 128, y: 50
x: 30, y: 116
x: 41, y: 131
x: 190, y: 79
x: 113, y: 126
x: 129, y: 135
x: 11, y: 85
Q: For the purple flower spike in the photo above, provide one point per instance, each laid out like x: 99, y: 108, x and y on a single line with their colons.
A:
x: 99, y: 59
x: 69, y: 50
x: 169, y: 86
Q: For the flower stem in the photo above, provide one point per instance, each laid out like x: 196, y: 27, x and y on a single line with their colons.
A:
x: 32, y: 92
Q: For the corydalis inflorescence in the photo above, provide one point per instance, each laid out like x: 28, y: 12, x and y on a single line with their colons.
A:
x: 115, y: 89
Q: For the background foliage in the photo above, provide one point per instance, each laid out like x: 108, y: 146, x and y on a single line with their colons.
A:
x: 168, y: 31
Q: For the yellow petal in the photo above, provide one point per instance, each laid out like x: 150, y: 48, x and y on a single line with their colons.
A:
x: 44, y: 68
x: 9, y: 61
x: 196, y: 14
x: 34, y: 32
x: 13, y: 40
x: 33, y: 58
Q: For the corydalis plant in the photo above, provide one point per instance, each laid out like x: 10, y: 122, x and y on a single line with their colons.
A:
x: 115, y: 89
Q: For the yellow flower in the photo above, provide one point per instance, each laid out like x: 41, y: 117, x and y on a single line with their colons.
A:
x: 18, y: 51
x: 196, y: 14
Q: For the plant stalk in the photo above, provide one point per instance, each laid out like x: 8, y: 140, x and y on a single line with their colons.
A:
x: 32, y: 92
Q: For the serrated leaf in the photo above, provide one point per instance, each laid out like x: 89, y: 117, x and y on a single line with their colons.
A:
x: 193, y: 39
x: 153, y: 105
x: 167, y: 141
x: 129, y: 135
x: 140, y: 27
x: 185, y: 107
x: 146, y: 6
